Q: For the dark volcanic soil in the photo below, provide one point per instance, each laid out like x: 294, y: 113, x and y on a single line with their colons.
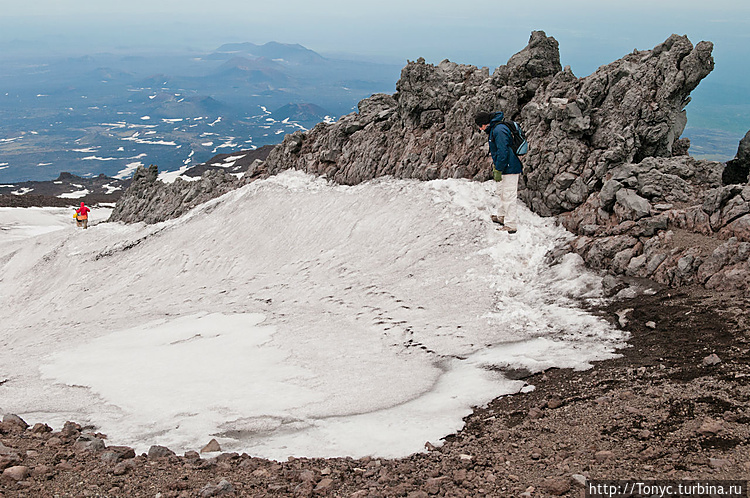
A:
x: 666, y: 409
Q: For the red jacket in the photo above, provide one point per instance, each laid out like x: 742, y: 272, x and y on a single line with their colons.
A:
x: 83, y: 212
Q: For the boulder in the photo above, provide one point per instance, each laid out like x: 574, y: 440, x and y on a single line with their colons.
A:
x: 157, y: 451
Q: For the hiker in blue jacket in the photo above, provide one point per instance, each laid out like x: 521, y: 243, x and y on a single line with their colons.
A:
x: 506, y: 167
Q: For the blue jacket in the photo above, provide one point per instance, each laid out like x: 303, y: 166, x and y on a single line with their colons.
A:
x: 505, y: 160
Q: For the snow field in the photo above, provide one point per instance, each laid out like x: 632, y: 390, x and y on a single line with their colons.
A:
x: 290, y: 317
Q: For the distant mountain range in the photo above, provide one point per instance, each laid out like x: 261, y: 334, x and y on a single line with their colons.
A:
x: 294, y: 54
x: 107, y: 113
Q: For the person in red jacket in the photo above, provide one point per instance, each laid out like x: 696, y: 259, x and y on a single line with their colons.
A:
x: 82, y: 216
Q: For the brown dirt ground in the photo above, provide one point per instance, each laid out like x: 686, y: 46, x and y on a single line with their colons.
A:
x: 657, y: 412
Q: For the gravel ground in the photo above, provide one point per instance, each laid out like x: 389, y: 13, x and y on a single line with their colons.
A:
x: 675, y: 405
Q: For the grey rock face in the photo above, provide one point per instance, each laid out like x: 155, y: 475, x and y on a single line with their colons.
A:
x: 426, y: 129
x: 152, y: 201
x: 624, y: 112
x: 737, y: 169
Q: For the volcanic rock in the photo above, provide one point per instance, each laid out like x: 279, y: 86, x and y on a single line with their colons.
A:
x: 736, y: 170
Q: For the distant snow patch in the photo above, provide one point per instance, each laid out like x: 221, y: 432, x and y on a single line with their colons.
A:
x: 75, y: 195
x: 128, y: 171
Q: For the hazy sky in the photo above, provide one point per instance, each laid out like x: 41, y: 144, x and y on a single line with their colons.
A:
x: 480, y: 32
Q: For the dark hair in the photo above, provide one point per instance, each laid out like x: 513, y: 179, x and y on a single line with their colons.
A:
x: 482, y: 118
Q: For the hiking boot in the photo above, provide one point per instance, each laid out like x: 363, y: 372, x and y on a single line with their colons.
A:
x: 498, y: 219
x: 506, y: 228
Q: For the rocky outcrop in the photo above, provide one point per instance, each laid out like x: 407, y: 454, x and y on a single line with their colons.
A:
x: 579, y: 129
x: 626, y: 111
x: 151, y: 201
x: 426, y: 129
x: 670, y: 220
x: 738, y: 168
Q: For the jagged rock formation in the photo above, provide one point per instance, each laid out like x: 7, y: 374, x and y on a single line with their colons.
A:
x: 670, y: 220
x: 738, y: 168
x: 426, y: 129
x: 152, y: 201
x: 625, y: 112
x: 605, y: 156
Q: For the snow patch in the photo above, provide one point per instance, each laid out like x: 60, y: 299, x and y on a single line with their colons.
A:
x: 350, y: 323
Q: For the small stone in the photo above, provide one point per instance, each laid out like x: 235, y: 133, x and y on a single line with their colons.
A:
x: 711, y: 360
x: 40, y: 428
x: 535, y: 413
x: 711, y: 427
x: 651, y: 325
x: 260, y: 473
x: 123, y: 467
x: 633, y: 410
x: 578, y: 479
x: 70, y: 429
x: 88, y: 442
x: 9, y: 460
x: 648, y: 453
x: 644, y: 434
x: 41, y: 470
x: 17, y: 473
x: 307, y: 476
x: 432, y: 485
x: 459, y: 476
x: 326, y: 471
x: 719, y: 463
x: 192, y: 455
x: 417, y: 494
x: 554, y: 402
x: 465, y: 458
x: 12, y: 419
x: 4, y: 450
x: 556, y: 486
x: 603, y: 456
x: 226, y: 486
x: 212, y: 447
x: 114, y: 454
x: 157, y: 451
x: 54, y: 441
x: 324, y: 485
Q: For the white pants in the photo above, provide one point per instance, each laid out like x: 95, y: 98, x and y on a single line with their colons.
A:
x: 508, y: 191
